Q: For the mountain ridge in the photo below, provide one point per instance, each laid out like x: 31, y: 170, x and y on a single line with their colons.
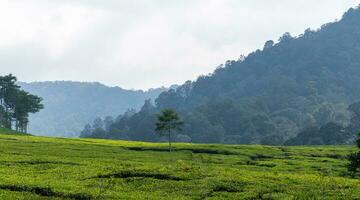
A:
x: 69, y: 105
x: 268, y: 96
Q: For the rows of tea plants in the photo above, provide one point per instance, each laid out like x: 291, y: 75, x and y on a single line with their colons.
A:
x: 55, y: 168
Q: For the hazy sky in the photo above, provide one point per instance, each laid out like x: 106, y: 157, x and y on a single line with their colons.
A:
x: 145, y: 43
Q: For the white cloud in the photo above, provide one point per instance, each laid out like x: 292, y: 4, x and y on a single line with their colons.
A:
x: 55, y: 28
x: 142, y: 44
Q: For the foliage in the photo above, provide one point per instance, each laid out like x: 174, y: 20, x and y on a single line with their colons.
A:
x: 107, y: 169
x: 354, y: 158
x: 277, y: 92
x: 16, y: 104
x: 167, y: 121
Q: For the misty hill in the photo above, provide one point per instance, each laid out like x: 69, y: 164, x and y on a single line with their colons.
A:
x: 70, y: 105
x: 270, y: 95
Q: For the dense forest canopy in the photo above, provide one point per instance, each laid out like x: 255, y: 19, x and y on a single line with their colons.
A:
x: 69, y: 105
x: 267, y: 97
x: 16, y: 104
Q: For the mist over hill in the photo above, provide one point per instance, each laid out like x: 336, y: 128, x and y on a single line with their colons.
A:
x: 267, y: 97
x: 70, y: 105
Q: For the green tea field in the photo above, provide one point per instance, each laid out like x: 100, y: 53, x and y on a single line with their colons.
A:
x: 54, y: 168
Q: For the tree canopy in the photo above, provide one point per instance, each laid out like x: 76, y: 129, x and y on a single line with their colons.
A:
x: 167, y: 121
x: 16, y: 104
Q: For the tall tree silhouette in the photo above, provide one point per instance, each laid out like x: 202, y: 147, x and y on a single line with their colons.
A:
x: 168, y: 121
x: 16, y: 104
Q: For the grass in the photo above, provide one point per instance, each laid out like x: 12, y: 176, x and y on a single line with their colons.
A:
x: 54, y: 168
x: 8, y: 131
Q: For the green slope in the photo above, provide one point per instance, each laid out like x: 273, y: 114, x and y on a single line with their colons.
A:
x: 54, y: 168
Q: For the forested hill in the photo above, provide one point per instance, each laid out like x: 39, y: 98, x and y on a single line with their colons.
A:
x: 268, y: 96
x: 70, y: 105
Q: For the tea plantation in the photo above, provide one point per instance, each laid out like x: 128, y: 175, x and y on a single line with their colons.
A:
x: 54, y: 168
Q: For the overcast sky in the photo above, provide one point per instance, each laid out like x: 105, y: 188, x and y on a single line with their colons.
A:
x: 143, y: 44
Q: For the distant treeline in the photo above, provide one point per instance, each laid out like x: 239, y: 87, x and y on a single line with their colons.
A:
x: 124, y: 127
x: 16, y: 104
x: 272, y: 96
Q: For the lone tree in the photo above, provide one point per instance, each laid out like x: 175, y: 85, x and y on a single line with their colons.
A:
x: 168, y: 120
x: 354, y: 158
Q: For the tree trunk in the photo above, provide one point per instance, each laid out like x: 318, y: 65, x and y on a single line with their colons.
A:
x: 8, y: 119
x: 1, y: 118
x: 17, y: 125
x: 169, y: 140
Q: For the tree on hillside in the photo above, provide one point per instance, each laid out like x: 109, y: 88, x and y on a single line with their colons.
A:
x: 168, y: 121
x: 98, y: 128
x: 354, y: 158
x: 8, y: 91
x: 25, y: 103
x: 16, y: 104
x: 88, y: 131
